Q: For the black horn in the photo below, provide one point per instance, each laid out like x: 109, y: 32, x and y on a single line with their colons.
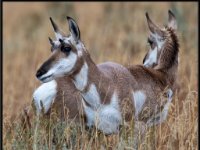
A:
x: 55, y: 27
x: 58, y: 32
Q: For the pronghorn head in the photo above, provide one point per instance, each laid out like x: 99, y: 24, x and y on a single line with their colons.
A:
x: 161, y: 40
x: 67, y: 53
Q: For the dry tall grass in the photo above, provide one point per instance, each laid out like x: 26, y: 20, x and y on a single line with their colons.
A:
x: 111, y: 31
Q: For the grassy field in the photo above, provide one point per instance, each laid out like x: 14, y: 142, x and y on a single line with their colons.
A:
x: 111, y: 32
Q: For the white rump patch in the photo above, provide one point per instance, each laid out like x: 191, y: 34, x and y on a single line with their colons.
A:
x: 139, y: 100
x: 63, y: 66
x: 161, y: 117
x: 81, y: 78
x: 92, y: 96
x: 45, y: 93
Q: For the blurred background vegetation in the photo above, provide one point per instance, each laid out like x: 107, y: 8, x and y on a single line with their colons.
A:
x: 111, y: 31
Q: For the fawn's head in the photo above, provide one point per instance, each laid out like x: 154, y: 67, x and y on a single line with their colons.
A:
x: 163, y: 43
x: 67, y: 53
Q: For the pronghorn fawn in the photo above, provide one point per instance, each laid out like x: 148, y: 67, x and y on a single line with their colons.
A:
x: 160, y: 68
x: 164, y: 48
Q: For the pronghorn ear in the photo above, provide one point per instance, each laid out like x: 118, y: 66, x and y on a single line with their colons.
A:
x: 73, y: 28
x: 172, y: 20
x: 153, y: 27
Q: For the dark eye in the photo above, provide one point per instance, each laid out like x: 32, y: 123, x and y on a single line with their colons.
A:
x: 66, y: 49
x: 150, y: 41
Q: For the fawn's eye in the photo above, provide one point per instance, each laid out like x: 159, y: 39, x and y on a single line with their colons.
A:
x: 150, y: 41
x: 66, y: 49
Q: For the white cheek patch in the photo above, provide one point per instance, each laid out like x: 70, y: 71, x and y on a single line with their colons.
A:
x: 139, y: 100
x: 159, y: 42
x: 92, y: 96
x: 152, y: 58
x: 63, y: 66
x: 81, y: 78
x: 45, y: 93
x: 153, y: 54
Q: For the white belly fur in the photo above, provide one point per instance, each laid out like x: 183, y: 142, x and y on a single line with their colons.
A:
x: 45, y: 93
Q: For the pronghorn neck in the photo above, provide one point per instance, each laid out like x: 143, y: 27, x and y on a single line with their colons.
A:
x: 81, y: 77
x: 86, y: 75
x: 87, y: 81
x: 168, y: 60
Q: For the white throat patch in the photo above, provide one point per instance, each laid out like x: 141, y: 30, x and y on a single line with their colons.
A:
x: 81, y: 79
x: 152, y: 58
x: 92, y: 97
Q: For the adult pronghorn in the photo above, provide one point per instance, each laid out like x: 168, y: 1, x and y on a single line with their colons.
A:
x: 105, y: 88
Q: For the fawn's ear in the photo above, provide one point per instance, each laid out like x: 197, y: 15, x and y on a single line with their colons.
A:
x: 172, y: 20
x: 58, y: 33
x: 153, y: 27
x: 73, y: 28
